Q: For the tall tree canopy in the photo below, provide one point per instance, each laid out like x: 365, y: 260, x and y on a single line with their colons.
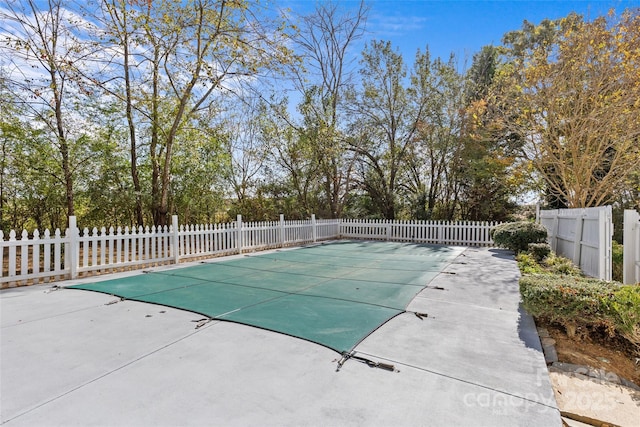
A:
x: 41, y: 49
x: 578, y: 103
x: 127, y: 111
x: 325, y: 41
x: 190, y: 53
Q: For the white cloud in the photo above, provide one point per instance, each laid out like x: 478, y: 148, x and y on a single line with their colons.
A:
x: 386, y: 26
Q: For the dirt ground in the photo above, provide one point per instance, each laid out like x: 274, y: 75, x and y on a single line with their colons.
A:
x: 597, y: 352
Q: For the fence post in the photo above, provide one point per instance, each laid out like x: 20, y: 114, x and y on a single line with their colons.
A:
x: 175, y: 244
x: 239, y: 231
x: 577, y: 245
x: 556, y: 230
x: 73, y: 250
x: 552, y: 231
x: 631, y: 244
x: 604, y: 246
x: 314, y: 232
x: 282, y: 230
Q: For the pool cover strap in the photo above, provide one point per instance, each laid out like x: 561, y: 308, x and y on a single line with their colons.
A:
x: 372, y: 364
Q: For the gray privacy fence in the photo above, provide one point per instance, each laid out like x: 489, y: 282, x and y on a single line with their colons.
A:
x: 583, y: 235
x: 32, y: 258
x: 631, y: 241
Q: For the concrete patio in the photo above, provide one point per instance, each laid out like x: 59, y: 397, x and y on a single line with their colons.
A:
x: 68, y: 357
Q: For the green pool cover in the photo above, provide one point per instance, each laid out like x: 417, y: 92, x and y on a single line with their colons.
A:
x: 333, y: 294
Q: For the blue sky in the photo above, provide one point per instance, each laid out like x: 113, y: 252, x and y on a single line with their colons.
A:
x: 459, y: 26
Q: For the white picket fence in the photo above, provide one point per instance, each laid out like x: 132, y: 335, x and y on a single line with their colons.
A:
x: 583, y: 235
x: 34, y: 258
x: 461, y: 233
x: 631, y: 249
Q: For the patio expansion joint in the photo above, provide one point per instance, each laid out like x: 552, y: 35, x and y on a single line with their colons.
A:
x: 112, y: 371
x: 40, y: 319
x: 482, y: 307
x: 549, y: 405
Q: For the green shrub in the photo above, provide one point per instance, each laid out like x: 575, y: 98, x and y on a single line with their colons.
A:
x: 517, y: 235
x: 555, y: 290
x: 539, y: 250
x: 626, y: 307
x: 562, y: 266
x: 564, y: 298
x: 551, y: 264
x: 578, y: 301
x: 616, y: 261
x: 528, y: 264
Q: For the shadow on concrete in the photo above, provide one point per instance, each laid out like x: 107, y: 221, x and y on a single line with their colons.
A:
x: 527, y: 330
x: 502, y: 253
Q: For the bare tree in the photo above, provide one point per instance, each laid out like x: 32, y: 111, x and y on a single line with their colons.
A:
x: 387, y: 113
x: 326, y: 40
x: 120, y: 21
x: 176, y: 59
x: 42, y: 50
x: 247, y: 151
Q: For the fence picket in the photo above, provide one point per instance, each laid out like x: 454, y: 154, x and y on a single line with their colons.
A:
x: 24, y: 254
x: 118, y: 243
x: 84, y: 247
x: 46, y: 262
x: 2, y: 252
x: 57, y: 249
x: 156, y: 242
x: 12, y: 254
x: 35, y: 262
x: 102, y: 245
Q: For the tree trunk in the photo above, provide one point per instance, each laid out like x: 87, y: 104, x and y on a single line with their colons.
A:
x: 153, y: 149
x: 132, y: 128
x: 63, y: 146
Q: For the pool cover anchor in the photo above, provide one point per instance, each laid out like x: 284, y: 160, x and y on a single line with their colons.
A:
x: 421, y: 316
x: 202, y: 322
x: 372, y: 364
